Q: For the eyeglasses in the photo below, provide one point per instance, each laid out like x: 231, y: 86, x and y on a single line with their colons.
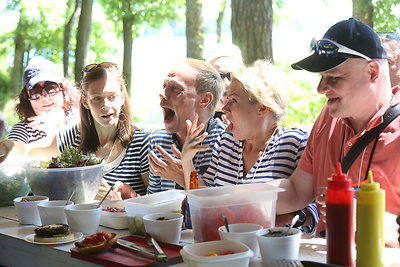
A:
x: 330, y: 48
x: 37, y: 91
x: 104, y: 65
x: 389, y: 35
x: 227, y: 75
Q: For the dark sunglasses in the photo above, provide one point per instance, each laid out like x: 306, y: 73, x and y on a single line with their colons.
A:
x: 104, y: 65
x: 37, y: 91
x: 389, y: 35
x: 227, y: 75
x: 330, y: 48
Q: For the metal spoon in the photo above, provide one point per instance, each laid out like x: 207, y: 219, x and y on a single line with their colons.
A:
x: 70, y: 197
x: 225, y: 221
x: 294, y: 220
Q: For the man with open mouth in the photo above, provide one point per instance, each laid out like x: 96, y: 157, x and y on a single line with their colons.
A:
x: 192, y: 86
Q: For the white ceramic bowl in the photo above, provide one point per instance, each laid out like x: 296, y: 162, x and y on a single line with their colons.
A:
x: 195, y: 255
x: 243, y: 232
x: 275, y: 248
x: 27, y: 211
x: 52, y: 212
x: 84, y: 218
x: 115, y: 220
x: 164, y: 227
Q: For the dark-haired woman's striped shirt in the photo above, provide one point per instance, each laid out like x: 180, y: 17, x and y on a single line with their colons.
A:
x: 133, y: 164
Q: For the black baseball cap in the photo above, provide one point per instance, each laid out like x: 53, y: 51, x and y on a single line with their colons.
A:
x: 41, y: 70
x: 351, y: 34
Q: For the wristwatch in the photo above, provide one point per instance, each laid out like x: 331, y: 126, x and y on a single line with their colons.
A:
x: 302, y: 218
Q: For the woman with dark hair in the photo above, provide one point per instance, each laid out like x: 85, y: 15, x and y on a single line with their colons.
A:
x: 106, y: 130
x: 46, y: 103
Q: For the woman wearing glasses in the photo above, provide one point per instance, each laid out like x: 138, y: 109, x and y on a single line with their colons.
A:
x: 46, y: 103
x: 106, y: 129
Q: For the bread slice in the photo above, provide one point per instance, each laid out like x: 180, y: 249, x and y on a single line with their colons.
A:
x: 69, y: 236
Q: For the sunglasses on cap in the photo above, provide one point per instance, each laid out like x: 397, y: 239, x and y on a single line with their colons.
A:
x: 51, y: 89
x: 226, y: 75
x: 328, y: 48
x: 389, y: 35
x: 104, y: 65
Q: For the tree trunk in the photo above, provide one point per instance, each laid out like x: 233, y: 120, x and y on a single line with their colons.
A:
x: 128, y: 43
x: 83, y: 38
x: 220, y: 19
x: 17, y: 70
x: 252, y: 29
x: 194, y: 29
x: 67, y: 36
x: 363, y: 10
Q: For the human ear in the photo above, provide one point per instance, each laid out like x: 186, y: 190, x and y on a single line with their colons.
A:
x: 262, y: 109
x: 373, y: 70
x: 84, y: 102
x: 206, y: 99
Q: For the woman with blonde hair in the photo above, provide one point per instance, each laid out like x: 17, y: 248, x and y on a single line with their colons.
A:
x: 254, y: 148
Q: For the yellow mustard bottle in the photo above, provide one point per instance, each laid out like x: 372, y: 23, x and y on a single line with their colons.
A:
x: 369, y: 224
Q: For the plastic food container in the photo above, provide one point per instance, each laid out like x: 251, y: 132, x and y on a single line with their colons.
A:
x: 27, y: 210
x: 195, y: 254
x: 60, y: 183
x: 136, y: 208
x: 111, y: 218
x: 13, y: 182
x: 248, y: 203
x: 84, y: 218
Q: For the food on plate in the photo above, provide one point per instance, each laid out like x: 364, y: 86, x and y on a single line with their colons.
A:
x: 213, y: 254
x: 114, y: 209
x: 69, y: 158
x: 97, y: 242
x: 53, y: 233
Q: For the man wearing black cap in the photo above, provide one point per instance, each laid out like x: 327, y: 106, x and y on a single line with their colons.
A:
x: 355, y: 80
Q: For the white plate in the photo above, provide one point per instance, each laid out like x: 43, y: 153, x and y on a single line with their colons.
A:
x: 30, y: 239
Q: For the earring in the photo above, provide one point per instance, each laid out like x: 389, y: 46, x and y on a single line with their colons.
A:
x: 121, y: 117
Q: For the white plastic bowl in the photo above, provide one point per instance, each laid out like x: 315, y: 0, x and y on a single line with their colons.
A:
x: 115, y: 220
x: 52, y: 212
x: 84, y: 218
x: 27, y: 211
x: 195, y: 254
x: 164, y: 227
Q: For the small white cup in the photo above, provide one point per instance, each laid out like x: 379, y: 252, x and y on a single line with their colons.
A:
x: 27, y: 211
x: 243, y: 232
x: 52, y: 212
x: 274, y: 248
x: 84, y: 218
x: 167, y: 230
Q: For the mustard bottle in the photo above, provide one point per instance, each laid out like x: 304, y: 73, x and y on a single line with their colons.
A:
x: 369, y: 225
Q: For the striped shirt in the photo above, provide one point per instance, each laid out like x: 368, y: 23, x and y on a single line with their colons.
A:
x: 133, y: 164
x: 24, y: 133
x: 278, y: 162
x: 200, y: 161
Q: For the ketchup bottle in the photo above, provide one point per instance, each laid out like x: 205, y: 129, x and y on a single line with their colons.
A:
x: 339, y: 219
x: 370, y: 227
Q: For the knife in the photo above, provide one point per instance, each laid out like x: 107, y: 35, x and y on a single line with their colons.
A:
x: 141, y: 251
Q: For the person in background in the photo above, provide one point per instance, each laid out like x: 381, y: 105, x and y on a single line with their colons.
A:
x: 391, y: 42
x: 192, y: 86
x: 3, y: 126
x: 254, y: 148
x: 355, y: 80
x: 46, y: 103
x: 225, y: 59
x: 106, y: 130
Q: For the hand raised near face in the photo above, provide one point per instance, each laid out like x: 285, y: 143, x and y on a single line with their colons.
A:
x: 169, y: 167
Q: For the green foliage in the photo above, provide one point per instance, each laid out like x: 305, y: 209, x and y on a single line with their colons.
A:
x: 141, y: 13
x: 305, y: 103
x: 384, y: 19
